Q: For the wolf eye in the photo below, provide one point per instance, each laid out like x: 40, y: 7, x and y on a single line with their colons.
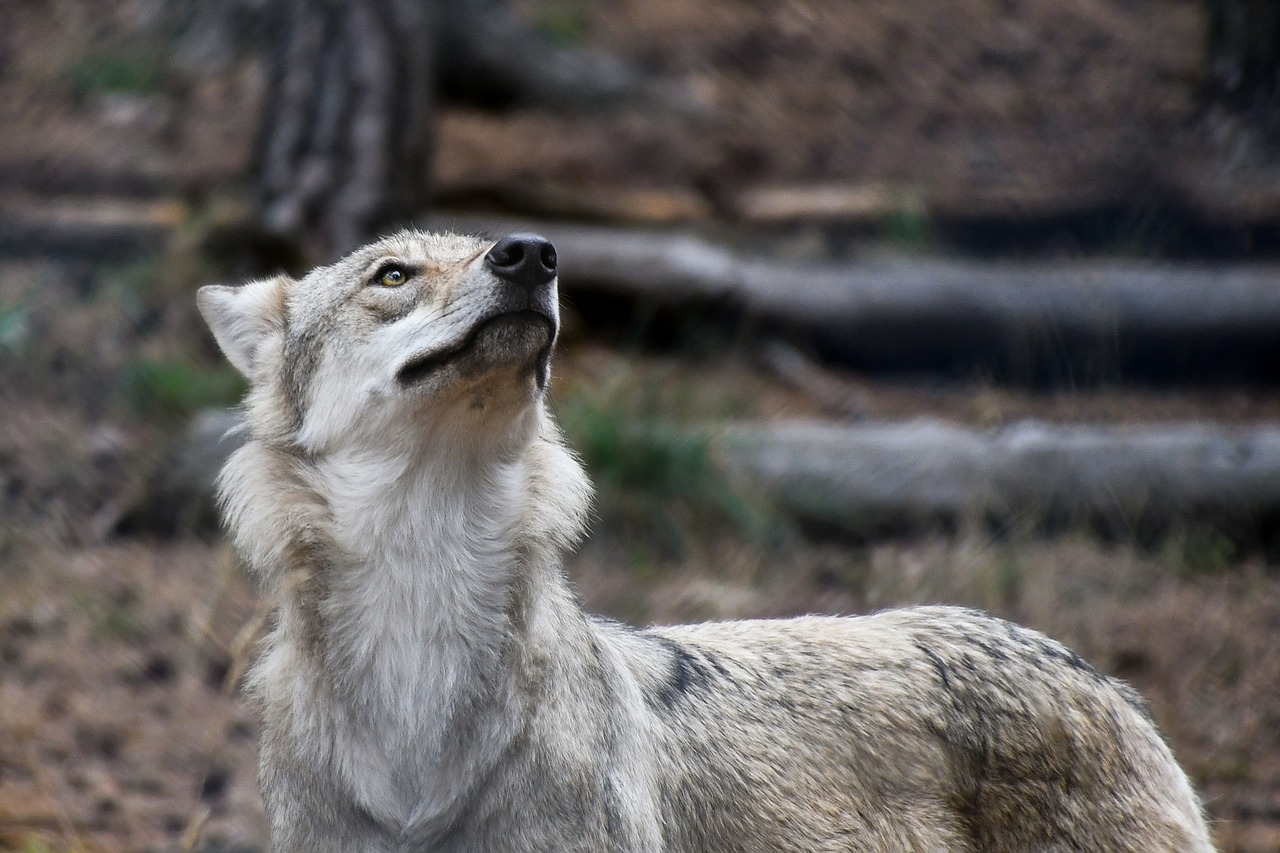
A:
x: 392, y: 275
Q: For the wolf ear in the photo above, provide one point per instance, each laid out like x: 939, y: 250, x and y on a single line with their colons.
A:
x: 242, y: 317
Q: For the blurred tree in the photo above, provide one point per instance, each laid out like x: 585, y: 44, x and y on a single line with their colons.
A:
x: 1244, y: 59
x: 346, y: 137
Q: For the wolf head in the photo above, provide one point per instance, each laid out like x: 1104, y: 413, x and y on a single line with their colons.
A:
x: 415, y: 330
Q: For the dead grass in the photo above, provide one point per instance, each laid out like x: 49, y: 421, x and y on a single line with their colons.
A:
x: 119, y: 721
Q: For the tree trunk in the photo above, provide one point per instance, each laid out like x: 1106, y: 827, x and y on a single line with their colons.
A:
x: 1244, y: 58
x: 346, y: 138
x: 347, y: 132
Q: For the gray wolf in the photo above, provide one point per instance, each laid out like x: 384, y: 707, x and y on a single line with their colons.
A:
x: 431, y: 683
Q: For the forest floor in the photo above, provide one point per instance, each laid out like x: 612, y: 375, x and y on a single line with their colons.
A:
x: 121, y: 723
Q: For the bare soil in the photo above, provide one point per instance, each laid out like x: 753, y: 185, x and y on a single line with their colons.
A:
x: 121, y: 723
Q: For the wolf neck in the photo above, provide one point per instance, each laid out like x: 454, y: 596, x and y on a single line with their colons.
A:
x: 407, y: 585
x: 421, y: 604
x: 405, y: 577
x: 421, y: 601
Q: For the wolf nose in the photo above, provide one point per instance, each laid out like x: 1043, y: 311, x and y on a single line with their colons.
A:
x: 525, y: 259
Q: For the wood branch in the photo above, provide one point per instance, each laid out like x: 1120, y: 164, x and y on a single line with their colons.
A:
x: 1056, y: 322
x: 86, y: 226
x: 865, y: 203
x: 1128, y: 482
x: 799, y: 371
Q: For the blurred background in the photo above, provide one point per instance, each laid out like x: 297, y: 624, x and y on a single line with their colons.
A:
x: 867, y: 303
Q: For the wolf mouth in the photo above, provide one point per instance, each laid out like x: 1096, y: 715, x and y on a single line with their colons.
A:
x: 420, y: 367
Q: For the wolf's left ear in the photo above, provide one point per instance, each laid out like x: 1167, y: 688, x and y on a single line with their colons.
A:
x: 242, y: 317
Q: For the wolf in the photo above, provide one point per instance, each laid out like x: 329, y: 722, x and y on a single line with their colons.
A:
x: 431, y: 683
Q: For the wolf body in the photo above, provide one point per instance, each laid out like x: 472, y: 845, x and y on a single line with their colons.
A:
x: 431, y: 683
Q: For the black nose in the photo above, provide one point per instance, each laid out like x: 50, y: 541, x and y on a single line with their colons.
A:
x: 525, y: 259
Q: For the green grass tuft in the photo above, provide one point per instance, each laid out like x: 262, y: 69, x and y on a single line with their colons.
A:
x: 907, y: 228
x: 655, y: 479
x: 115, y: 71
x: 15, y: 326
x: 175, y: 388
x: 566, y: 23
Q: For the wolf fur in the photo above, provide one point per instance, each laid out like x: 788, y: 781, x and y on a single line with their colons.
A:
x: 431, y: 683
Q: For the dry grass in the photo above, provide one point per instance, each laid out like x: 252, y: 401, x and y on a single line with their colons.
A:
x: 120, y: 723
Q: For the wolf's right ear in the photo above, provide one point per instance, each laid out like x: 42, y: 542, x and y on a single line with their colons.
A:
x: 242, y: 317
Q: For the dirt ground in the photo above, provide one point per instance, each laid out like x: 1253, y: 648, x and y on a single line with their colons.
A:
x: 121, y: 723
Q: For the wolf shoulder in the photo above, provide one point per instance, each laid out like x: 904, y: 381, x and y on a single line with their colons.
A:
x: 925, y: 652
x: 899, y: 693
x: 922, y: 728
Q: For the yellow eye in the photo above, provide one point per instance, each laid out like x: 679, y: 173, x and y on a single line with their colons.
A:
x: 392, y: 277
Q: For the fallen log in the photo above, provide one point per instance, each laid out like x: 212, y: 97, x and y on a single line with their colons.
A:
x: 104, y: 228
x: 1059, y: 323
x: 887, y: 479
x: 1135, y: 483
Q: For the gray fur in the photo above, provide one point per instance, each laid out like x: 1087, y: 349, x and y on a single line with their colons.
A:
x: 432, y: 684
